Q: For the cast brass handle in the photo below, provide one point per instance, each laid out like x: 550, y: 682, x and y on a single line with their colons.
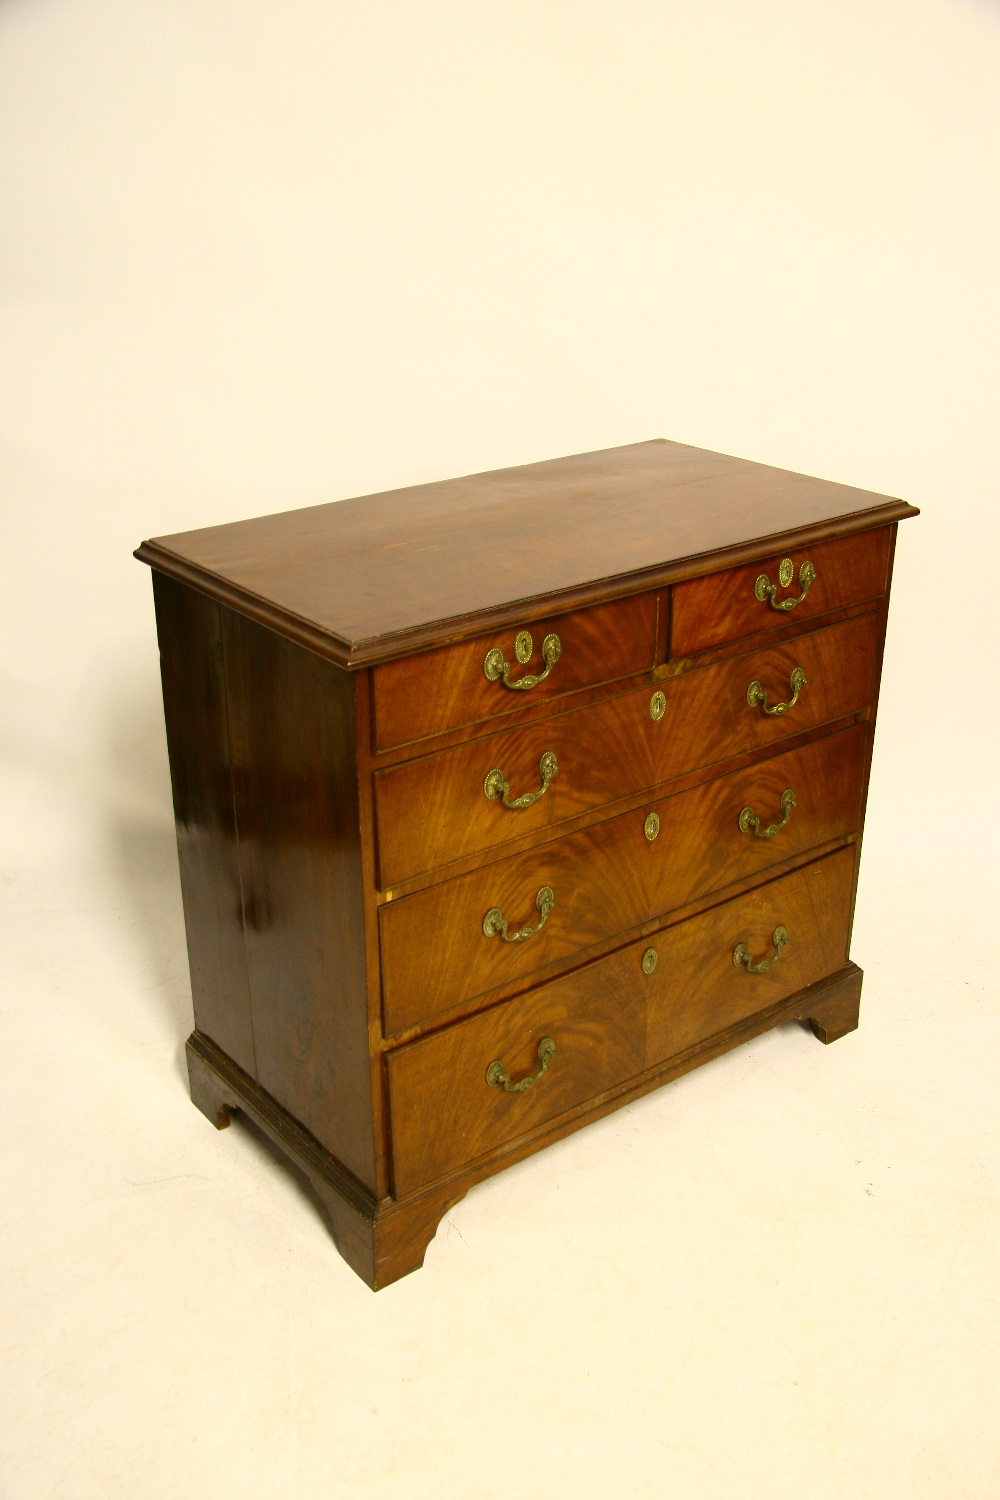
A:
x: 498, y: 1078
x: 742, y: 957
x: 765, y: 589
x: 750, y: 821
x: 496, y: 665
x: 496, y: 785
x: 495, y: 923
x: 756, y: 694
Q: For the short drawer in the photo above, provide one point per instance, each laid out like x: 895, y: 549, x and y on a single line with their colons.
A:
x: 435, y: 809
x: 748, y: 954
x: 725, y: 606
x: 610, y: 878
x: 443, y: 1111
x: 424, y: 695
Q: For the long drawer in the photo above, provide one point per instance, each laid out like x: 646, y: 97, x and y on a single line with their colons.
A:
x: 608, y: 1021
x: 442, y: 807
x: 609, y: 878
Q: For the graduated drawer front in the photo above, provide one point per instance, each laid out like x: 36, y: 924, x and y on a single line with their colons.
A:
x: 609, y: 878
x: 439, y: 690
x: 434, y: 810
x: 609, y: 1021
x: 444, y: 1113
x: 724, y: 606
x: 696, y: 990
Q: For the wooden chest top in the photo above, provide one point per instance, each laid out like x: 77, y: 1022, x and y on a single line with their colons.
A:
x: 381, y: 576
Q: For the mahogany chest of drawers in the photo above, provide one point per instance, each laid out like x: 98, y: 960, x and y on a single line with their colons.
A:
x: 503, y: 800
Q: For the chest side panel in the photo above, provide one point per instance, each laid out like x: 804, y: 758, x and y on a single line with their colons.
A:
x: 189, y: 629
x: 292, y: 728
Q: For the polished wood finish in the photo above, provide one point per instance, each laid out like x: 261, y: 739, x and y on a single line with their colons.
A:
x: 708, y: 718
x: 192, y: 671
x: 597, y: 1017
x: 608, y: 879
x: 439, y: 690
x: 722, y: 607
x: 368, y: 579
x: 701, y: 848
x: 338, y: 854
x: 434, y: 809
x: 292, y: 746
x: 696, y: 990
x: 610, y: 1021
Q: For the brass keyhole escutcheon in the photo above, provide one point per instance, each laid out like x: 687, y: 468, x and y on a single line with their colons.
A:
x: 657, y: 707
x: 651, y: 827
x: 786, y: 572
x: 649, y: 961
x: 523, y: 644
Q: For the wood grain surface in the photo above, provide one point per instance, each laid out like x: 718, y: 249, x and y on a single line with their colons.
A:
x: 192, y: 670
x: 610, y: 1021
x: 292, y: 734
x: 696, y: 990
x: 434, y: 810
x: 700, y: 846
x: 723, y: 606
x: 609, y: 878
x: 439, y: 690
x: 379, y: 576
x: 708, y: 718
x: 597, y: 1018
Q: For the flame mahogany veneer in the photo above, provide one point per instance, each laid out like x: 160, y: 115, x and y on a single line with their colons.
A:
x: 689, y: 868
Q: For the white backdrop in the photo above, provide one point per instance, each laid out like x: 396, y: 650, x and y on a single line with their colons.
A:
x: 259, y: 255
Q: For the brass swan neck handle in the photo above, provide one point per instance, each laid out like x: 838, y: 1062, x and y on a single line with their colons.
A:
x: 749, y: 821
x: 498, y: 1078
x: 497, y: 668
x: 765, y: 590
x: 743, y: 958
x: 497, y: 786
x: 495, y: 923
x: 756, y: 696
